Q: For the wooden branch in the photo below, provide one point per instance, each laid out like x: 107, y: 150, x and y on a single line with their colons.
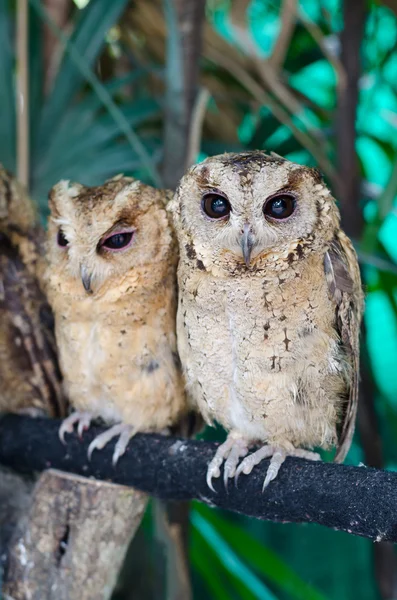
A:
x: 184, y: 19
x: 359, y: 500
x: 22, y: 99
x: 59, y: 11
x: 348, y: 189
x: 71, y: 543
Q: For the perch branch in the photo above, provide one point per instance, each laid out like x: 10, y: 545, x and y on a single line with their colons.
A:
x: 358, y: 500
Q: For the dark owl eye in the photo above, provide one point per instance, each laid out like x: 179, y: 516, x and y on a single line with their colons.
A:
x: 118, y: 241
x: 279, y: 207
x: 216, y: 206
x: 61, y: 239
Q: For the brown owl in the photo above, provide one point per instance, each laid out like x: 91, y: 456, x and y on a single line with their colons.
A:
x: 29, y: 375
x: 112, y: 285
x: 269, y: 310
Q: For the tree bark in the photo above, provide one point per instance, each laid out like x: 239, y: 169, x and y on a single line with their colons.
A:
x: 59, y: 11
x: 184, y: 19
x: 71, y: 543
x: 354, y: 13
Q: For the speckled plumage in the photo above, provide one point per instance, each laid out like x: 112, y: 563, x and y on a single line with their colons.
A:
x: 29, y: 375
x: 117, y: 340
x: 269, y: 350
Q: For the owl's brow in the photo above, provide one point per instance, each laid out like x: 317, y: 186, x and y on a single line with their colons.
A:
x: 203, y: 179
x: 60, y: 221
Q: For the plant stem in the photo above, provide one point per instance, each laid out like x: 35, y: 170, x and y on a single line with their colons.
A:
x: 22, y: 98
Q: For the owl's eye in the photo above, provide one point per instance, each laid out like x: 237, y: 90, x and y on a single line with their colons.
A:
x: 216, y: 206
x: 118, y: 241
x: 61, y: 239
x: 279, y: 207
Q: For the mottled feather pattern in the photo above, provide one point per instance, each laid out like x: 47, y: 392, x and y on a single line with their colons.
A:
x: 343, y: 276
x: 29, y: 372
x: 268, y: 343
x: 115, y: 308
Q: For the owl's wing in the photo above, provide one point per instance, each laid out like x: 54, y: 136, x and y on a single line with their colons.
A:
x: 27, y: 322
x: 344, y: 283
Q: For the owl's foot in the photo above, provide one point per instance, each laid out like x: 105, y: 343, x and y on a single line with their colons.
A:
x: 126, y: 432
x: 278, y: 457
x: 230, y: 451
x: 83, y: 420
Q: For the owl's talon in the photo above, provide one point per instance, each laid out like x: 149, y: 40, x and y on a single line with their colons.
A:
x: 253, y: 459
x: 239, y: 449
x: 120, y: 429
x: 83, y: 420
x: 278, y: 456
x: 210, y: 475
x: 122, y: 443
x: 84, y: 424
x: 276, y: 461
x: 230, y: 451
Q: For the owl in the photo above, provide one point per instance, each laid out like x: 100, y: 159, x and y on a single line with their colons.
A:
x: 269, y: 310
x: 30, y: 379
x: 111, y: 281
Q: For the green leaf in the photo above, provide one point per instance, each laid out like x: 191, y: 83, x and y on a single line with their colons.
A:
x: 267, y: 125
x: 386, y: 199
x: 104, y: 96
x: 267, y: 563
x: 72, y: 143
x: 209, y: 567
x: 230, y: 559
x: 7, y: 97
x: 87, y: 39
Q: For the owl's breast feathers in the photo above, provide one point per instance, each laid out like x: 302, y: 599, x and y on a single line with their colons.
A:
x: 118, y: 349
x: 273, y: 352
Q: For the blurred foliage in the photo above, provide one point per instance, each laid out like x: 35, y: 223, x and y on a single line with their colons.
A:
x: 272, y: 79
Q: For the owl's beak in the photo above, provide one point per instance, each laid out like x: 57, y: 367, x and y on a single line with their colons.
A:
x: 247, y: 243
x: 86, y: 278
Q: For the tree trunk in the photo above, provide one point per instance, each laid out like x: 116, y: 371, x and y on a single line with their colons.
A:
x: 184, y: 20
x: 72, y: 542
x: 354, y: 13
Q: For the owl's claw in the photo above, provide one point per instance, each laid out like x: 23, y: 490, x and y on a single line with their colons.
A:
x: 83, y: 424
x: 230, y: 451
x: 278, y: 456
x: 253, y: 459
x: 124, y: 431
x: 122, y: 443
x: 276, y: 461
x: 238, y: 451
x: 83, y: 420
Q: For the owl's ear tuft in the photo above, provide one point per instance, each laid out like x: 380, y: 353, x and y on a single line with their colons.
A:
x: 57, y: 193
x: 173, y: 207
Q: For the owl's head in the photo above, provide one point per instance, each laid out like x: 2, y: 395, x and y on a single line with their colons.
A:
x: 233, y: 210
x: 99, y: 233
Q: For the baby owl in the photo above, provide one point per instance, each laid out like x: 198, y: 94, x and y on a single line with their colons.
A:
x: 269, y: 310
x: 112, y: 285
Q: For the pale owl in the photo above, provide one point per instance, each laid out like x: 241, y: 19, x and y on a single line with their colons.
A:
x: 269, y: 310
x: 112, y: 286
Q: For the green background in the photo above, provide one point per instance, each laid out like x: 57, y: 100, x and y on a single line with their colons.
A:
x: 103, y: 114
